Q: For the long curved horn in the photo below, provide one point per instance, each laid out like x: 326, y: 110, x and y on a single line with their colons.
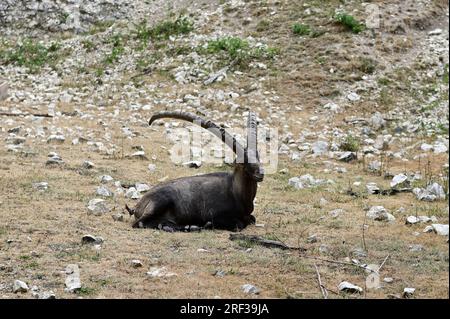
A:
x: 252, y: 138
x: 220, y: 132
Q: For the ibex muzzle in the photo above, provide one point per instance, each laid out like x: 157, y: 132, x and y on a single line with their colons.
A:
x: 220, y: 200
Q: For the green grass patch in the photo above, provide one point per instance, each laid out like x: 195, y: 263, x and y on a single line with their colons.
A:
x: 301, y: 29
x: 349, y: 22
x: 31, y: 54
x: 238, y: 50
x: 350, y: 144
x: 163, y: 30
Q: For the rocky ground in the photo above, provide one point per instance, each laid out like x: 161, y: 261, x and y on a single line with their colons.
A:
x: 362, y: 121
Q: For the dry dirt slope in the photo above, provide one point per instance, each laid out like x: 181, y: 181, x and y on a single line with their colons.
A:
x: 102, y: 83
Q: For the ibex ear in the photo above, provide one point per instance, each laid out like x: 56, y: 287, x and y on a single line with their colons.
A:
x: 252, y: 138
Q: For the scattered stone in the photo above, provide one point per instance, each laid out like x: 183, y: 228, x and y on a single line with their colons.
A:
x: 353, y: 97
x: 132, y: 193
x: 435, y: 32
x: 415, y: 248
x: 192, y: 164
x: 372, y: 188
x: 89, y: 239
x: 388, y: 280
x: 45, y: 295
x: 408, y: 292
x: 374, y: 166
x: 136, y: 263
x: 106, y: 179
x: 97, y: 206
x: 87, y: 165
x: 118, y: 217
x: 400, y: 180
x: 20, y: 286
x: 377, y: 121
x: 41, y: 186
x: 220, y: 273
x: 440, y: 229
x: 56, y: 139
x: 319, y: 148
x: 312, y: 239
x: 411, y: 220
x: 73, y: 281
x: 250, y: 289
x: 347, y: 157
x: 156, y: 272
x: 433, y: 192
x: 152, y: 167
x: 428, y: 229
x: 138, y: 155
x: 54, y: 158
x: 104, y: 191
x: 347, y: 287
x: 379, y: 213
x: 142, y: 188
x: 336, y: 212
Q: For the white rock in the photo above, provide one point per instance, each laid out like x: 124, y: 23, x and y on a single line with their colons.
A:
x: 408, y: 292
x: 320, y: 147
x: 104, y: 191
x: 151, y: 167
x: 412, y: 220
x: 41, y: 186
x: 20, y: 286
x: 132, y: 193
x: 250, y: 289
x: 435, y: 32
x: 87, y: 165
x: 372, y: 188
x: 97, y: 206
x: 388, y: 280
x: 379, y: 213
x: 73, y: 281
x: 345, y: 286
x: 399, y: 180
x: 426, y: 147
x: 428, y: 229
x: 106, y: 179
x: 295, y: 182
x: 136, y: 263
x: 142, y: 188
x: 440, y: 229
x: 56, y: 139
x: 352, y: 96
x: 439, y: 148
x: 160, y: 272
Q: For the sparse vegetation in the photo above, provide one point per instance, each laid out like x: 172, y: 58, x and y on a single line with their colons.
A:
x: 301, y: 29
x: 350, y: 144
x: 163, y: 30
x: 349, y: 22
x: 30, y: 54
x: 234, y: 49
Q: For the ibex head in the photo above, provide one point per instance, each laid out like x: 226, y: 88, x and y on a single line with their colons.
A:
x: 247, y: 158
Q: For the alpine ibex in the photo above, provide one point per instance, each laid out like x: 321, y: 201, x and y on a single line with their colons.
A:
x: 219, y: 200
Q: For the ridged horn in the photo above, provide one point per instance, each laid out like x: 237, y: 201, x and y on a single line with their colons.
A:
x: 218, y: 131
x: 252, y: 138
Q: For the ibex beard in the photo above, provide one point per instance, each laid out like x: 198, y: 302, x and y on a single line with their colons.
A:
x: 218, y: 200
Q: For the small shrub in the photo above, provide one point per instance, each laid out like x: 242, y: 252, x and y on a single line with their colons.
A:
x: 263, y: 25
x: 349, y: 22
x: 117, y: 49
x: 367, y: 65
x: 350, y: 144
x: 301, y: 29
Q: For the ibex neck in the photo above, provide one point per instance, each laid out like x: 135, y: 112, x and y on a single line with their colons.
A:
x: 244, y: 188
